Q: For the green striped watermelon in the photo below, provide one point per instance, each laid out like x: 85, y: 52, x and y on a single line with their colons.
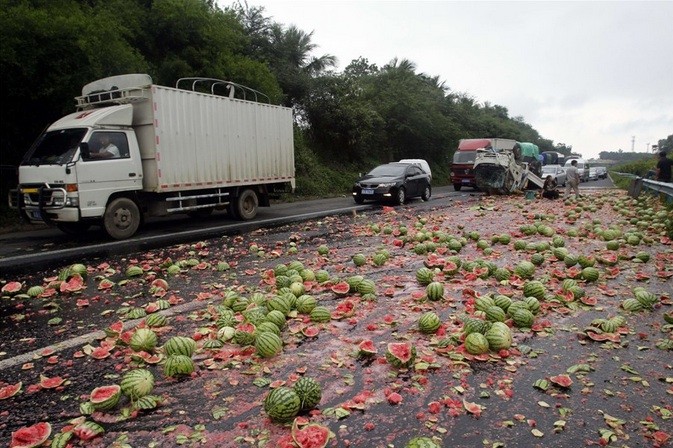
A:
x: 137, y: 383
x: 309, y: 392
x: 499, y: 336
x: 268, y: 344
x: 176, y: 365
x: 476, y: 344
x: 435, y: 291
x: 180, y: 345
x: 320, y: 314
x: 143, y: 339
x: 282, y: 404
x: 429, y: 322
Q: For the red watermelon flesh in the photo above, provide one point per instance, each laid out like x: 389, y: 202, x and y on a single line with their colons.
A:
x: 31, y: 436
x: 341, y: 288
x: 311, y: 436
x: 10, y: 390
x: 562, y: 380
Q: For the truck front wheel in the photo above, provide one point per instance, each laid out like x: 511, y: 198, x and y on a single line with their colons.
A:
x: 245, y: 205
x: 121, y: 219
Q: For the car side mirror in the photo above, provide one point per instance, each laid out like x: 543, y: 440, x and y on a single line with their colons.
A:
x: 84, y: 150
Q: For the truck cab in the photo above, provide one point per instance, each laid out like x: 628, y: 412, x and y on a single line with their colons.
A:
x: 63, y: 180
x: 462, y: 168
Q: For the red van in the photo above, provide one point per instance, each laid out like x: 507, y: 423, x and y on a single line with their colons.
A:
x: 462, y: 168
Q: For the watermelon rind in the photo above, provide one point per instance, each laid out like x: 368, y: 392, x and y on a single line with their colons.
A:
x: 180, y: 345
x: 400, y: 354
x: 104, y: 398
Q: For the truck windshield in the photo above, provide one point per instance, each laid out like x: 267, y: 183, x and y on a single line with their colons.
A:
x: 55, y: 147
x: 464, y: 156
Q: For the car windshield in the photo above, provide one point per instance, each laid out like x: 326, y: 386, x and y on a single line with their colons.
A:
x: 387, y: 171
x: 55, y: 147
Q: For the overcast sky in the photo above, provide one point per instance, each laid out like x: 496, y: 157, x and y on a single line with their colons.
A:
x: 588, y: 74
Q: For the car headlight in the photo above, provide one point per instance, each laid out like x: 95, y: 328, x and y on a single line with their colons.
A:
x: 387, y: 185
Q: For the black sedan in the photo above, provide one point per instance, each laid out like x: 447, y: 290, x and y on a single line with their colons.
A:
x: 393, y: 182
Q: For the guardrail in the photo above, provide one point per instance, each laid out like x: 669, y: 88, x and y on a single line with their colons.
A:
x: 639, y: 183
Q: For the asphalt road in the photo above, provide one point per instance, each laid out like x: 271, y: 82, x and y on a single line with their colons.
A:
x: 37, y: 249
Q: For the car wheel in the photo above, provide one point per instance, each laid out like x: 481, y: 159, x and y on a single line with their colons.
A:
x: 426, y: 193
x: 457, y: 187
x: 358, y: 199
x: 401, y: 196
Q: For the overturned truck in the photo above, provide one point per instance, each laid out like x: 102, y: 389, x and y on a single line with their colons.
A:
x: 505, y: 171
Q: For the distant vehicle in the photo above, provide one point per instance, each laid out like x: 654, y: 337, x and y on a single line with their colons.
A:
x: 592, y: 174
x: 602, y: 172
x: 422, y: 164
x: 557, y: 172
x: 462, y: 168
x: 582, y: 168
x: 553, y: 158
x: 393, y: 182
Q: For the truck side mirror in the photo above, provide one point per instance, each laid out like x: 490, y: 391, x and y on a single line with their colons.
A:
x: 84, y: 150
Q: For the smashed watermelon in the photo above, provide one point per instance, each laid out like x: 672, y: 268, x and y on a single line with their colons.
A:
x: 311, y: 436
x: 31, y: 436
x: 10, y: 390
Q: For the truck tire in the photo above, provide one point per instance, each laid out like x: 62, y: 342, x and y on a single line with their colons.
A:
x: 73, y: 228
x: 121, y: 219
x: 244, y: 207
x: 457, y: 187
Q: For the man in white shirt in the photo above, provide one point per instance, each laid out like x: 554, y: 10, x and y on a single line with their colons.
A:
x: 107, y: 150
x: 572, y: 180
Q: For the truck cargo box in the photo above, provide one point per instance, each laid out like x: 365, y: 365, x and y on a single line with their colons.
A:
x: 203, y: 140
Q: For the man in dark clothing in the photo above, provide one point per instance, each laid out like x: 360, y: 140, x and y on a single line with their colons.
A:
x: 664, y: 168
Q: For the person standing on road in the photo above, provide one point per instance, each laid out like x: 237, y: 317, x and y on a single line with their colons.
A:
x: 664, y: 168
x: 572, y: 180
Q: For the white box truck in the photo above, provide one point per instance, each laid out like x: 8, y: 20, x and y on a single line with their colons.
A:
x: 205, y: 144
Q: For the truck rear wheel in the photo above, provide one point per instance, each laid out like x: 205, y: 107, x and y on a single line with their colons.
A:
x: 245, y: 205
x: 121, y: 219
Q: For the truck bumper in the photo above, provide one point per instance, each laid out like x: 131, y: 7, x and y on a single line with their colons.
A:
x: 66, y: 214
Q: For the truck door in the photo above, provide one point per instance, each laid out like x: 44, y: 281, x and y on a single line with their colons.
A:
x: 110, y: 167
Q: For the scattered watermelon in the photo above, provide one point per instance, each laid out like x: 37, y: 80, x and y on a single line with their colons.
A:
x: 311, y: 436
x: 10, y: 390
x: 367, y: 348
x: 31, y: 436
x: 562, y: 380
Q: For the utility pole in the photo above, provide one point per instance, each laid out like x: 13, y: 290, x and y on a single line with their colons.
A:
x: 647, y: 148
x: 633, y: 144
